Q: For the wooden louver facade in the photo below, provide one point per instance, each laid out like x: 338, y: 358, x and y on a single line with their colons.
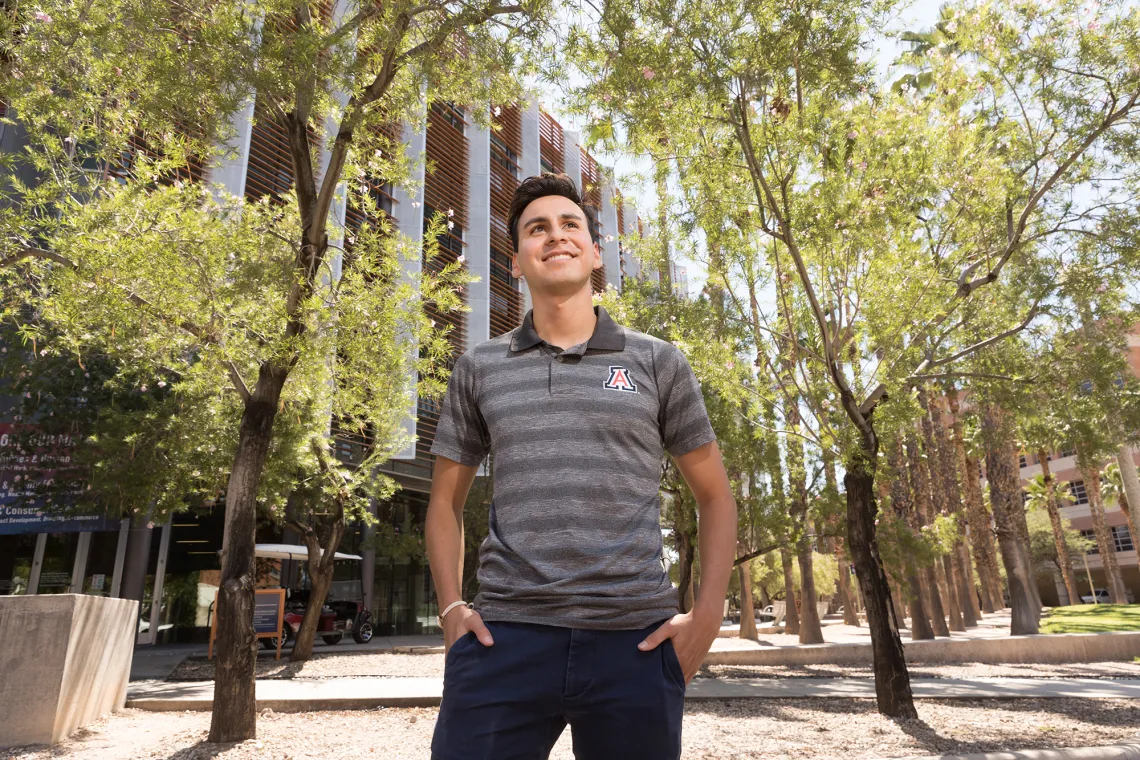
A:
x: 592, y: 196
x: 506, y: 147
x: 445, y: 192
x: 270, y: 168
x: 550, y: 144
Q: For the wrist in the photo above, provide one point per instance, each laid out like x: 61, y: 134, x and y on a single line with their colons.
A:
x: 450, y: 609
x: 707, y: 614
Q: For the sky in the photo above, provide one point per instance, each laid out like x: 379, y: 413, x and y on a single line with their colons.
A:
x: 918, y: 15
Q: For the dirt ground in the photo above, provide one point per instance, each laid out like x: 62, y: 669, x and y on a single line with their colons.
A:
x: 429, y: 665
x: 745, y: 729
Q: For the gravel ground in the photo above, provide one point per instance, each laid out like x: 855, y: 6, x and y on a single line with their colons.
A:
x: 748, y: 729
x: 382, y: 664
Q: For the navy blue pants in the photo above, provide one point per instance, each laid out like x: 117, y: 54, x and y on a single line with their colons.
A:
x: 512, y: 700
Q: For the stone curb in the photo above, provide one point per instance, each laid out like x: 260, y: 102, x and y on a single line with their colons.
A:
x: 1039, y: 648
x: 1110, y: 752
x: 287, y: 695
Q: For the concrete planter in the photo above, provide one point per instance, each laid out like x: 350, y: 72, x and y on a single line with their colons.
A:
x: 65, y: 660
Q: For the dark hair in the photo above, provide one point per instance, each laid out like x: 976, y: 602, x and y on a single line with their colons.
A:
x: 533, y: 188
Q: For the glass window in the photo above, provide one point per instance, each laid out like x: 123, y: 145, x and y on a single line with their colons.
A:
x: 504, y: 156
x: 100, y: 571
x: 1122, y: 538
x: 1077, y: 489
x: 16, y: 554
x: 59, y: 561
x: 1091, y: 536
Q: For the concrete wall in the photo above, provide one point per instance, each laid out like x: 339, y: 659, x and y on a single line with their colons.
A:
x: 65, y: 662
x: 1065, y: 647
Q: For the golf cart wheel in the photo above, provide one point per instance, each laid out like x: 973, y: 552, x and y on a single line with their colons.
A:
x: 362, y: 633
x: 286, y: 635
x: 333, y: 639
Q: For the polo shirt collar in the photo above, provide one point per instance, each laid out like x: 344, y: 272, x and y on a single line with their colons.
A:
x: 608, y: 335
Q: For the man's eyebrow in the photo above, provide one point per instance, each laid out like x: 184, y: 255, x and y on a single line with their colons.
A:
x: 563, y: 216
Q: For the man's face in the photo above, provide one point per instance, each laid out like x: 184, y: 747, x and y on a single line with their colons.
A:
x: 556, y: 254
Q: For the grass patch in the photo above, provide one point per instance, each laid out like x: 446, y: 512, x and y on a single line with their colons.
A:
x: 1092, y: 618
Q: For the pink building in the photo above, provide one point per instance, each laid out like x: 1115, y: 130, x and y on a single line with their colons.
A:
x: 1063, y: 467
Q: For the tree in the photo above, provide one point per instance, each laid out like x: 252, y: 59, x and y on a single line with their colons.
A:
x: 1043, y: 498
x: 1043, y: 545
x: 1115, y: 492
x: 164, y: 274
x: 902, y: 233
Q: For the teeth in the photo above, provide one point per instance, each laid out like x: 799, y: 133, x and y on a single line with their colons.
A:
x: 560, y: 256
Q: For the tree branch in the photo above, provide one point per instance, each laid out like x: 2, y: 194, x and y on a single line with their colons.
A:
x: 967, y: 286
x: 755, y: 554
x: 931, y: 364
x: 239, y: 384
x: 36, y: 253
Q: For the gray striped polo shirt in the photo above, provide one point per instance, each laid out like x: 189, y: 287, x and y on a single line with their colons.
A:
x: 577, y: 439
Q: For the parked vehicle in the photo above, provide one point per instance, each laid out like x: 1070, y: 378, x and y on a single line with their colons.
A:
x: 343, y: 611
x: 1103, y: 596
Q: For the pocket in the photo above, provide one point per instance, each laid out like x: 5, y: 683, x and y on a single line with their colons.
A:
x: 672, y: 664
x: 462, y: 641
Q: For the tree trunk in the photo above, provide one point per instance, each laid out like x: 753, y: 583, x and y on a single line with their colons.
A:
x: 1022, y: 522
x: 234, y: 716
x: 1130, y: 494
x: 809, y: 627
x: 920, y: 629
x: 791, y: 614
x: 950, y: 578
x: 843, y: 584
x: 1124, y: 502
x: 811, y: 632
x: 321, y: 574
x: 982, y: 537
x: 943, y: 441
x: 940, y: 503
x: 1063, y: 558
x: 1005, y: 497
x: 1104, y: 540
x: 971, y: 589
x: 747, y: 611
x: 920, y: 482
x: 684, y: 538
x: 892, y: 681
x: 903, y: 504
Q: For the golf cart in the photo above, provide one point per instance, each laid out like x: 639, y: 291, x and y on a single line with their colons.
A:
x: 343, y: 610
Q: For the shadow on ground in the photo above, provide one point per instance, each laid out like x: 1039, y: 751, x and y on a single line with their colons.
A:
x: 203, y: 750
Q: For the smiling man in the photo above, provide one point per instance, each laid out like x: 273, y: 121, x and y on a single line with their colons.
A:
x: 576, y: 621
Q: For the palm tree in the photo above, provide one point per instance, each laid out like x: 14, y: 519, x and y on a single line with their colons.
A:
x: 1043, y: 493
x: 1113, y: 492
x: 938, y: 39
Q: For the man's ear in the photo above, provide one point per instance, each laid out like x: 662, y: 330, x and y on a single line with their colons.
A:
x: 515, y: 271
x: 597, y: 256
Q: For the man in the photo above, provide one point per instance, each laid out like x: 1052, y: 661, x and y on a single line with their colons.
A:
x: 576, y: 620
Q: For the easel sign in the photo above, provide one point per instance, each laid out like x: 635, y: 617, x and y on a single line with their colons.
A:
x: 268, y: 617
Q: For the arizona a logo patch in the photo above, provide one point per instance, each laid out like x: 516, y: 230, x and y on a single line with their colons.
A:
x: 619, y: 380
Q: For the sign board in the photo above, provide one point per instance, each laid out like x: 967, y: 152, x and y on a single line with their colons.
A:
x: 268, y: 617
x: 28, y: 462
x: 97, y: 581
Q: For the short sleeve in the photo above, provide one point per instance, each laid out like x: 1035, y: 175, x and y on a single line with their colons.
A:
x: 681, y: 415
x: 461, y: 434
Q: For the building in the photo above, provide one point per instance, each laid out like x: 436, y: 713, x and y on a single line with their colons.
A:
x: 173, y: 568
x: 1063, y: 467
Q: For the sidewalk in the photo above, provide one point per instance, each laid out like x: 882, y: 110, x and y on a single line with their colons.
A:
x: 299, y: 695
x: 1112, y: 752
x: 160, y: 660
